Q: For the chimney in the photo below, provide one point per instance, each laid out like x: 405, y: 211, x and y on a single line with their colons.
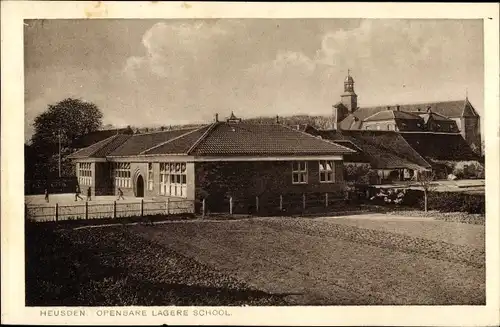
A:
x: 429, y: 109
x: 277, y: 119
x: 216, y: 117
x: 388, y: 108
x: 397, y: 107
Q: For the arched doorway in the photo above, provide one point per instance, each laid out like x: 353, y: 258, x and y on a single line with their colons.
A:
x: 139, y: 187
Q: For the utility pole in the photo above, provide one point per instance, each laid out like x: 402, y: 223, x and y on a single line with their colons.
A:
x: 59, y: 136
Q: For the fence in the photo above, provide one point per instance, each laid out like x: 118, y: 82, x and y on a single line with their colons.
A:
x: 257, y: 205
x: 60, y: 212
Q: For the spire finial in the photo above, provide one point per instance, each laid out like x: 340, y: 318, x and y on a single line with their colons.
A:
x: 348, y: 72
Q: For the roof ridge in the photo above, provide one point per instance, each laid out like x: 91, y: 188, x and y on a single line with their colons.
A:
x: 413, y: 103
x: 466, y: 101
x: 202, y: 137
x: 109, y: 139
x: 170, y: 140
x: 374, y: 115
x: 415, y: 151
x: 165, y: 131
x: 104, y: 142
x: 315, y: 137
x: 391, y: 151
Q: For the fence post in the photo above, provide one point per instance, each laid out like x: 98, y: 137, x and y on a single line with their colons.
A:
x: 167, y: 204
x: 142, y: 207
x: 326, y: 200
x: 57, y: 212
x: 86, y: 210
x: 303, y: 201
x: 281, y: 202
x: 203, y: 208
x: 257, y: 204
x: 230, y: 205
x: 114, y: 209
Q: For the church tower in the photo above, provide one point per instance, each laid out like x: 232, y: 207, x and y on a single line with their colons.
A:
x: 349, y: 97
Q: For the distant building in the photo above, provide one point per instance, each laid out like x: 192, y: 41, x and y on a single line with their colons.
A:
x: 230, y: 158
x: 450, y: 117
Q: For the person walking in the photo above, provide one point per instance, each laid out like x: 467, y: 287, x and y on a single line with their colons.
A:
x: 77, y: 193
x: 89, y: 194
x: 47, y: 195
x: 120, y: 194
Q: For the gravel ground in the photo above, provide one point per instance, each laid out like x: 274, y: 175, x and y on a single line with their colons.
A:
x: 425, y: 247
x: 318, y: 263
x: 420, y: 227
x: 460, y: 217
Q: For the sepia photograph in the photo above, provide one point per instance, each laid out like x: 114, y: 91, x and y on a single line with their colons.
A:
x: 217, y: 163
x: 222, y: 162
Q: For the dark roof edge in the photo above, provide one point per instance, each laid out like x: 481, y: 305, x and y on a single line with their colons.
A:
x: 415, y: 152
x: 202, y: 137
x: 321, y: 139
x: 104, y: 142
x: 170, y: 140
x: 413, y: 103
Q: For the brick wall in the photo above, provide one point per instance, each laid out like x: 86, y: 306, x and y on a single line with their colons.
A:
x: 216, y: 181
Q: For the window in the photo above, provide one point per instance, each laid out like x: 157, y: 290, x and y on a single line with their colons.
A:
x: 121, y: 174
x: 150, y: 177
x: 378, y: 127
x: 173, y: 180
x: 299, y: 172
x: 367, y: 127
x: 326, y: 174
x: 85, y: 173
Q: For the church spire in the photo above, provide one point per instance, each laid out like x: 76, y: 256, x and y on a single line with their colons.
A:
x: 349, y: 82
x: 349, y: 97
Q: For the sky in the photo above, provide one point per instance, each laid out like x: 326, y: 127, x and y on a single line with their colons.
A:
x: 167, y: 72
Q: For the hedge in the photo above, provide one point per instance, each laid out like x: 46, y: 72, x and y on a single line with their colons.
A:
x: 441, y: 201
x: 455, y: 201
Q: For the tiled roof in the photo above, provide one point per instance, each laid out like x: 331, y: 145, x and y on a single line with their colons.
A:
x: 221, y: 139
x: 391, y: 114
x: 141, y: 142
x: 383, y: 149
x: 262, y: 140
x: 440, y: 146
x: 100, y: 149
x: 180, y: 144
x: 451, y: 109
x: 434, y: 115
x: 389, y: 141
x: 97, y: 136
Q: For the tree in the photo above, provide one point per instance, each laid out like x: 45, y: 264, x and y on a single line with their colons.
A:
x: 424, y: 179
x: 59, y: 127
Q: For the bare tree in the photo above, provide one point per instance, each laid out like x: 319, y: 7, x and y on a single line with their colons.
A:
x: 424, y: 179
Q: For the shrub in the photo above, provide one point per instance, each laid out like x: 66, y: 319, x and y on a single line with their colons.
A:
x: 456, y: 201
x: 468, y: 169
x: 359, y: 174
x: 440, y: 201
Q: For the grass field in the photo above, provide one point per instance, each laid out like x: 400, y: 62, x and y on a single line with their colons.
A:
x: 356, y: 260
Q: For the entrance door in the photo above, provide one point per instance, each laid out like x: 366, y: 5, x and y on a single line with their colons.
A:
x: 140, y: 187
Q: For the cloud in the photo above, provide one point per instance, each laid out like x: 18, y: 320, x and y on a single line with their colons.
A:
x: 173, y: 49
x: 181, y: 71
